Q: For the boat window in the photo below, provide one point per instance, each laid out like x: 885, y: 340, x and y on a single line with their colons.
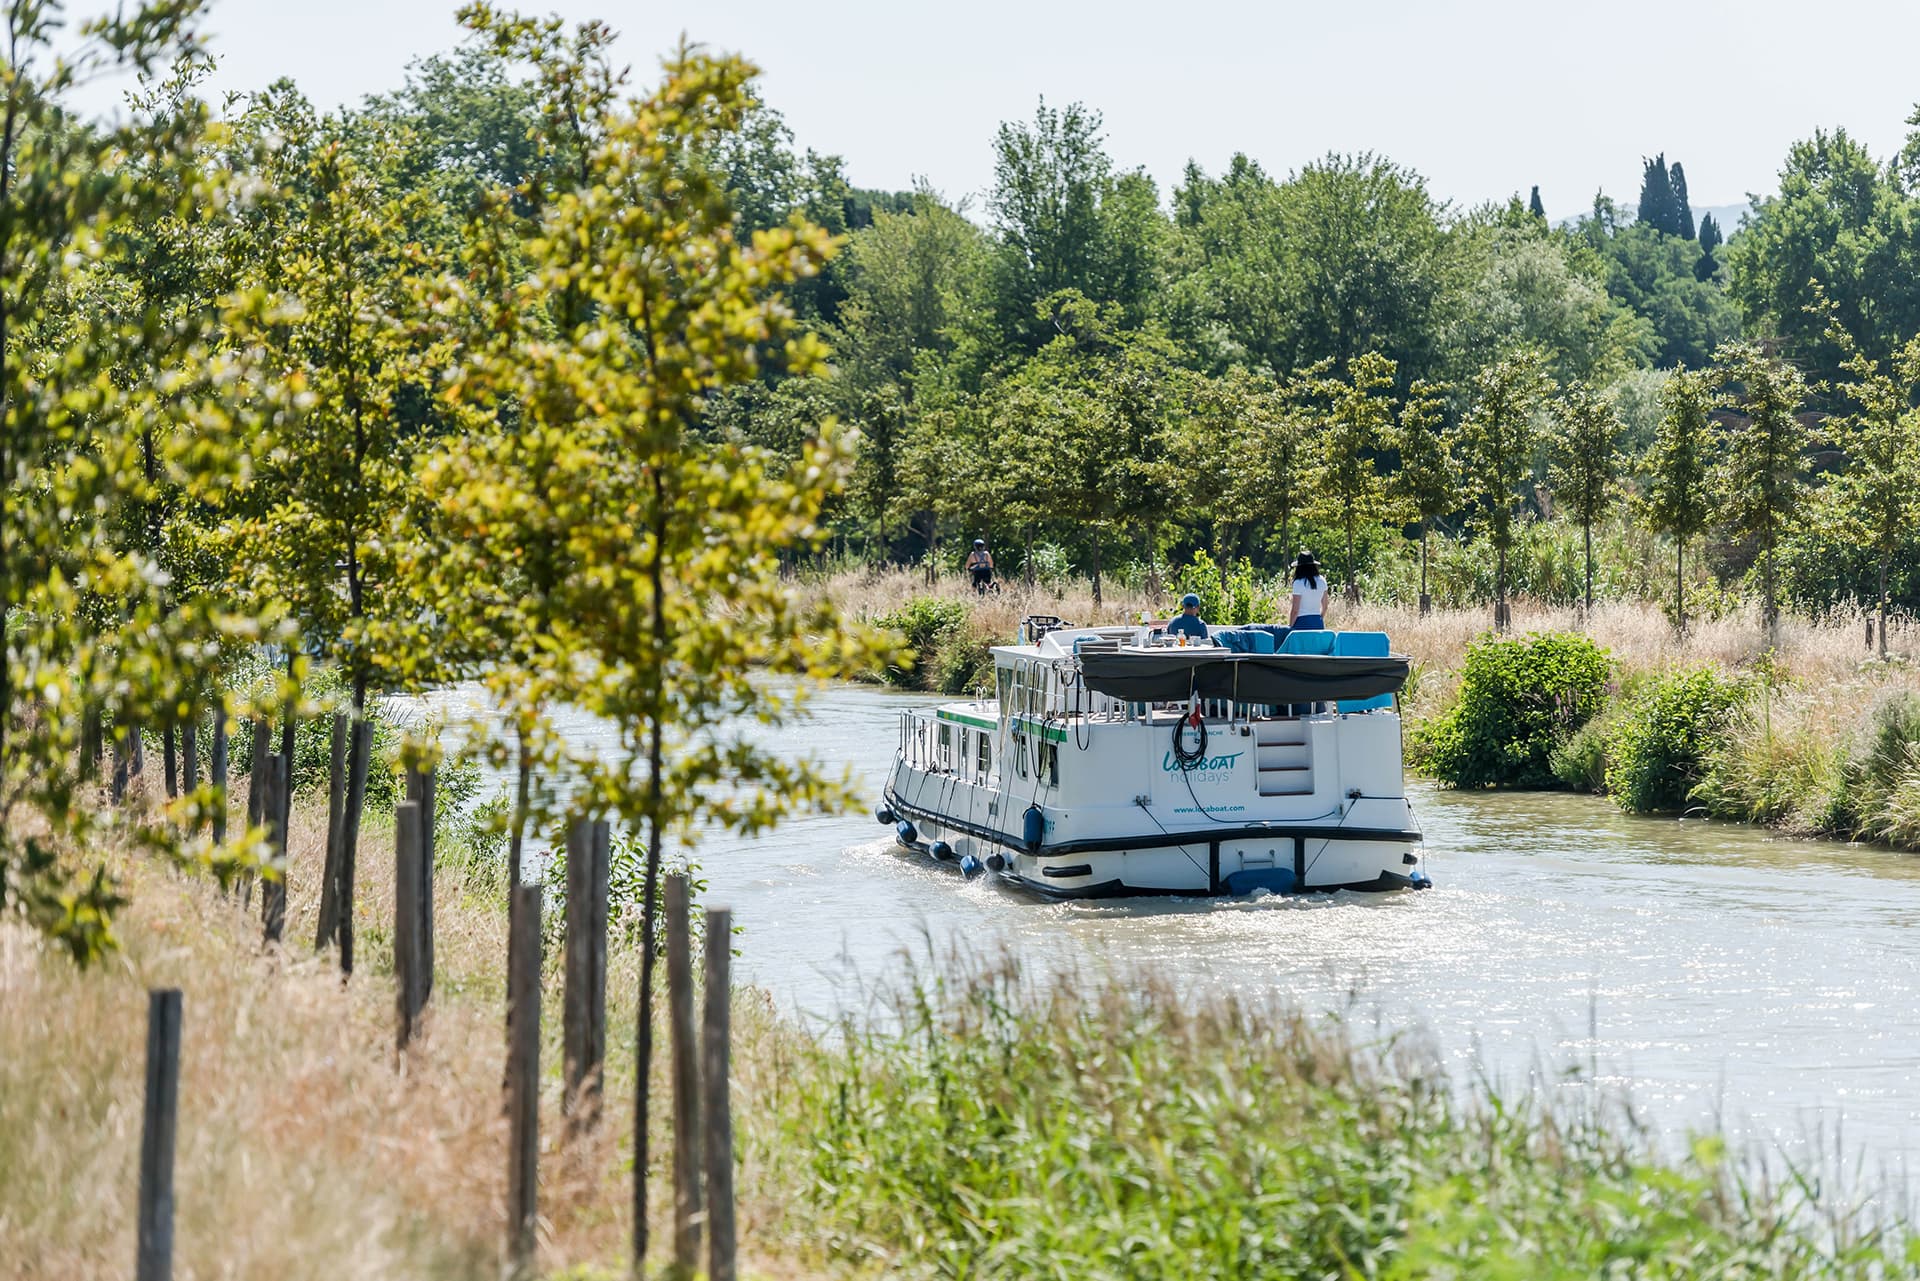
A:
x: 1020, y: 754
x: 986, y: 757
x: 1004, y: 675
x: 945, y: 759
x: 1047, y: 764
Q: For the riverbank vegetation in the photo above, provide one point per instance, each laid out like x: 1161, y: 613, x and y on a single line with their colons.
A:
x: 972, y: 1118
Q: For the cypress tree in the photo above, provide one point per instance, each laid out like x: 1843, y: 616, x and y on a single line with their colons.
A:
x: 1704, y: 268
x: 1683, y: 212
x: 1657, y: 209
x: 1534, y: 206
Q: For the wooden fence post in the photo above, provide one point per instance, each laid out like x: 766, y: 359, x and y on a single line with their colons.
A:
x: 329, y: 924
x: 122, y: 770
x: 190, y: 750
x: 171, y: 764
x: 154, y: 1261
x: 218, y: 770
x: 687, y: 1151
x: 91, y: 750
x: 411, y: 991
x: 523, y: 1079
x: 585, y: 1018
x: 257, y: 785
x: 716, y: 1053
x: 273, y: 891
x: 359, y: 748
x: 422, y: 788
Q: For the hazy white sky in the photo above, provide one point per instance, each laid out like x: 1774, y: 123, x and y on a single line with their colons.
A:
x: 1482, y: 98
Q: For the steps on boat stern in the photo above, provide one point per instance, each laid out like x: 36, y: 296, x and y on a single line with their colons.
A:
x: 1284, y: 759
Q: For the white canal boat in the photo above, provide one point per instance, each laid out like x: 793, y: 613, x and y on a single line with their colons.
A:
x: 1115, y: 762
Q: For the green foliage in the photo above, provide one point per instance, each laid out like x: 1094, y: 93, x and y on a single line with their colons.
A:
x: 1759, y: 477
x: 1882, y: 773
x: 984, y: 1120
x: 1497, y: 439
x: 927, y: 623
x: 1228, y: 597
x: 1519, y: 702
x: 1662, y: 741
x: 1584, y: 454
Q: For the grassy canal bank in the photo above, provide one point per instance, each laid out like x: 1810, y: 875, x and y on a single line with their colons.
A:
x: 1814, y: 736
x: 972, y: 1120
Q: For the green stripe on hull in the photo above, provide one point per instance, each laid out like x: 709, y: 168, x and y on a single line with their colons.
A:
x: 989, y: 723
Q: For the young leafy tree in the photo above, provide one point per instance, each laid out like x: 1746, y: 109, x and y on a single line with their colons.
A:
x: 1679, y: 469
x: 1497, y: 442
x: 1428, y: 483
x: 334, y: 483
x: 669, y: 601
x: 87, y: 631
x: 1358, y: 425
x: 1585, y: 462
x: 1876, y: 498
x: 1760, y: 472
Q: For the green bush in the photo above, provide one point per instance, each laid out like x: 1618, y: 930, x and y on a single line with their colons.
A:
x: 1243, y: 597
x: 1519, y: 702
x: 927, y: 622
x: 1882, y: 772
x: 1661, y: 744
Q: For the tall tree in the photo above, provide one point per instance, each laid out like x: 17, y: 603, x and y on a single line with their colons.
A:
x: 1682, y: 210
x: 319, y: 527
x: 670, y: 595
x: 1534, y: 206
x: 85, y: 630
x: 1497, y: 441
x: 1707, y: 264
x: 1357, y: 426
x: 1585, y: 466
x: 1761, y: 478
x: 1679, y: 500
x: 1427, y: 484
x: 1066, y: 221
x: 1876, y: 497
x: 1658, y: 207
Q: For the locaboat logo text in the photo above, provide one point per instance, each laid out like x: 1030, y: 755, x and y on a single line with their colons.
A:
x: 1211, y: 765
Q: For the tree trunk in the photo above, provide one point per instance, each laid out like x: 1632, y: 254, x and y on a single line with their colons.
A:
x: 1500, y: 591
x: 649, y: 910
x: 1883, y: 606
x: 1426, y: 601
x: 1353, y: 579
x: 1680, y: 585
x: 1587, y: 533
x: 1153, y: 558
x: 170, y: 761
x: 1096, y: 566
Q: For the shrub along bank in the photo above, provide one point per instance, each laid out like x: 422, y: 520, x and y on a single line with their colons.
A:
x: 1755, y: 744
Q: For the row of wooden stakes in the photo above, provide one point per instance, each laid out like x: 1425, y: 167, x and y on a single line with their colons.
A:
x: 700, y: 1063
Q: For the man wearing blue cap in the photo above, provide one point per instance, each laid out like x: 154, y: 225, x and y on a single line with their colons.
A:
x: 1188, y: 621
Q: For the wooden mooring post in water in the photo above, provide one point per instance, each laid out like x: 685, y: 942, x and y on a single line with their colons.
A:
x: 584, y: 1026
x: 718, y: 1114
x: 523, y: 1080
x: 154, y: 1258
x: 688, y: 1153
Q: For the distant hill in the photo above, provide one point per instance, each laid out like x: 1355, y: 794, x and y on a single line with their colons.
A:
x: 1728, y: 216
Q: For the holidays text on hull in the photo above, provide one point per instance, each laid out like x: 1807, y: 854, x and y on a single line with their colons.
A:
x: 1115, y: 762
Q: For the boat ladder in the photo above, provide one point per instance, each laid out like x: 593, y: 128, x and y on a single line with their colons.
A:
x: 1280, y: 749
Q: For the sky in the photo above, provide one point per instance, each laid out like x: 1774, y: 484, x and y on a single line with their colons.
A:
x: 1483, y: 99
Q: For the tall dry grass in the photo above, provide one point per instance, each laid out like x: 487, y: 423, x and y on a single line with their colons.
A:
x: 1828, y: 653
x: 307, y: 1146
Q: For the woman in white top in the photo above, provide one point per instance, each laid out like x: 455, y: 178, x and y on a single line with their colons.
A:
x: 1308, y: 610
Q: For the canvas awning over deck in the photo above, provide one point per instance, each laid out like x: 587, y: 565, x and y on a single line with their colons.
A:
x: 1171, y: 675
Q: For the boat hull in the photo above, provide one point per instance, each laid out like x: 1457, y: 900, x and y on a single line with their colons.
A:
x: 1275, y: 857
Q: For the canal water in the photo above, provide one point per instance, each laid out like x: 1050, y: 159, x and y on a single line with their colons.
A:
x: 1715, y: 975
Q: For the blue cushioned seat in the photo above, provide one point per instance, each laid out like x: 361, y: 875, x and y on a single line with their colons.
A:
x: 1363, y: 645
x: 1309, y: 642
